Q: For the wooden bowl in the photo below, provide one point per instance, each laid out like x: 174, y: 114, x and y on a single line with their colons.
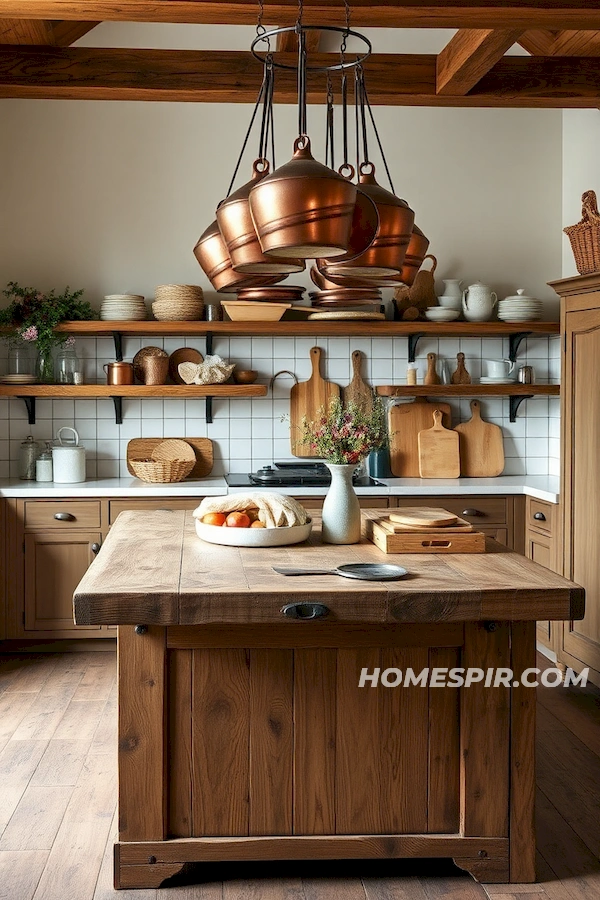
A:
x: 245, y: 376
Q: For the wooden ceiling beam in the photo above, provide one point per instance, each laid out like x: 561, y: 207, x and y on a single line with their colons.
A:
x: 524, y: 14
x: 561, y: 43
x: 288, y: 42
x: 469, y: 56
x: 26, y: 31
x: 234, y: 77
x: 66, y: 33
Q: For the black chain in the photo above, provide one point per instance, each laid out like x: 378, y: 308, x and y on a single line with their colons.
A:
x: 329, y: 145
x: 261, y: 97
x: 301, y: 81
x: 344, y: 45
x: 260, y: 28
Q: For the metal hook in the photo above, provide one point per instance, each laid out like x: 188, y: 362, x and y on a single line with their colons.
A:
x: 282, y: 372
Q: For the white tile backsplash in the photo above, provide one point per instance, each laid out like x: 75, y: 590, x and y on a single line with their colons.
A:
x: 248, y: 433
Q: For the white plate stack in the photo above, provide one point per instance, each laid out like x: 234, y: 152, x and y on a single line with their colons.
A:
x: 519, y: 308
x: 123, y: 308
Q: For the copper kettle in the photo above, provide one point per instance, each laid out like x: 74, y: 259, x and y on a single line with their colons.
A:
x: 212, y: 254
x: 385, y: 256
x: 237, y: 228
x: 303, y: 209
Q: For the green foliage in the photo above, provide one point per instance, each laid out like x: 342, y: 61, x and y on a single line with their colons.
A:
x: 33, y: 316
x: 346, y: 434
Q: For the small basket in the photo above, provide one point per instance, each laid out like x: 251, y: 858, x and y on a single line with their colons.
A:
x: 585, y: 236
x: 162, y: 471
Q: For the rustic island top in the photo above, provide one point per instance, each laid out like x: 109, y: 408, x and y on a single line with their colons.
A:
x: 154, y: 570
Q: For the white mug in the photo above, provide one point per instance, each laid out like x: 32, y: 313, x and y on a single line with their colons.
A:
x: 497, y: 368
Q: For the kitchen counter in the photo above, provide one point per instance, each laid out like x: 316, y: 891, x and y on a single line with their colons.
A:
x: 244, y: 733
x: 539, y: 486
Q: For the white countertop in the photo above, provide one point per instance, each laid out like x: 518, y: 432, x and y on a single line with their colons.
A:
x: 542, y: 487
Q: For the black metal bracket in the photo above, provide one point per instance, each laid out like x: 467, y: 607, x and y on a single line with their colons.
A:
x: 515, y: 401
x: 514, y: 342
x: 413, y: 340
x: 118, y: 339
x: 209, y: 343
x: 209, y: 410
x: 118, y: 401
x: 30, y: 404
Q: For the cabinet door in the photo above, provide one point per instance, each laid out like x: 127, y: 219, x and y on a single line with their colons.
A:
x: 54, y: 566
x: 499, y: 534
x: 581, y: 478
x: 539, y: 547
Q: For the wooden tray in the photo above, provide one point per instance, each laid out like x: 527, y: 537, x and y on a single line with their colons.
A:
x: 396, y: 528
x: 432, y: 542
x: 141, y: 448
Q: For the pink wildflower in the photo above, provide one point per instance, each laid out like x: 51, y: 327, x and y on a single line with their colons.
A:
x: 30, y: 334
x: 70, y: 342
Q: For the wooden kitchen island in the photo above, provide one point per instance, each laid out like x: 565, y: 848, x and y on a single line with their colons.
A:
x: 244, y: 734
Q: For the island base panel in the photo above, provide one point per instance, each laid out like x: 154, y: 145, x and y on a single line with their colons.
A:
x: 275, y: 752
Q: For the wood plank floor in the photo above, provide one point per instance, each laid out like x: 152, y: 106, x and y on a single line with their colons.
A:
x: 58, y: 797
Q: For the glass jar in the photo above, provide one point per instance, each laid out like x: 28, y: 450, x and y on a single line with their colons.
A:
x: 20, y: 360
x: 28, y: 453
x: 66, y: 366
x: 43, y: 464
x: 44, y: 367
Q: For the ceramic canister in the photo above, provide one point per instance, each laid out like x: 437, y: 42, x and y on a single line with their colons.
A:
x: 68, y: 459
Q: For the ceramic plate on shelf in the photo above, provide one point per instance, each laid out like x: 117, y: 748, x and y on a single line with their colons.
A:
x: 253, y: 537
x: 18, y: 379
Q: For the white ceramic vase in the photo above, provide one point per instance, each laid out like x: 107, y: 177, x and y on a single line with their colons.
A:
x: 341, y: 509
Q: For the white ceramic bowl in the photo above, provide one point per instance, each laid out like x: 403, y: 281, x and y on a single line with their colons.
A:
x: 253, y: 537
x: 441, y: 314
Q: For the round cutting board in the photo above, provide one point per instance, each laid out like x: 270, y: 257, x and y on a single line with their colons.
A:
x: 423, y: 515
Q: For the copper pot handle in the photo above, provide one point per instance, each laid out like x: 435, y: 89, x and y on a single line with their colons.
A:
x: 347, y: 170
x: 302, y: 144
x: 366, y: 168
x: 260, y: 167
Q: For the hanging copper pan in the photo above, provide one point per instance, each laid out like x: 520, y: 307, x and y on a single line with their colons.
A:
x: 237, y: 227
x: 211, y: 253
x: 365, y: 220
x: 303, y: 209
x: 386, y: 254
x: 415, y: 254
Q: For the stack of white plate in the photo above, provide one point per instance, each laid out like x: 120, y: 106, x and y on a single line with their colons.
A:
x: 123, y: 307
x: 18, y: 379
x: 519, y: 308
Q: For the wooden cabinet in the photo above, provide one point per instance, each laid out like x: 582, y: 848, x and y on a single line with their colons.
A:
x: 541, y: 545
x: 579, y: 643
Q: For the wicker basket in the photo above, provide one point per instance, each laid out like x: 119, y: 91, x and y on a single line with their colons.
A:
x: 162, y: 471
x: 585, y: 236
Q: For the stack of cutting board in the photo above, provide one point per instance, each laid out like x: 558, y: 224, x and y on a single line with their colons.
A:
x: 421, y: 529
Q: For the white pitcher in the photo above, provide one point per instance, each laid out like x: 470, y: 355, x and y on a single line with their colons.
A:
x: 452, y: 288
x: 478, y: 302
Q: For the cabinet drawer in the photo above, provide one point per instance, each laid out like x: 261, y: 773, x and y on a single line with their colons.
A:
x: 119, y: 506
x: 540, y: 515
x: 61, y: 513
x: 478, y: 510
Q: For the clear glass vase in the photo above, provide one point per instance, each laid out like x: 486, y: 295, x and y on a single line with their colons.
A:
x: 341, y: 509
x: 44, y: 367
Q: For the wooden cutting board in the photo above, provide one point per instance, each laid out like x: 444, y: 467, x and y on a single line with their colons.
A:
x: 306, y: 398
x: 141, y: 448
x: 439, y: 455
x: 429, y: 516
x: 358, y: 391
x: 481, y: 446
x: 396, y: 528
x: 405, y: 422
x: 431, y: 542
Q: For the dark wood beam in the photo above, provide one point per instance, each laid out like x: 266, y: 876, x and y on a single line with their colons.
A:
x: 26, y: 31
x: 556, y: 14
x: 288, y: 42
x: 66, y: 33
x: 469, y: 56
x: 234, y: 77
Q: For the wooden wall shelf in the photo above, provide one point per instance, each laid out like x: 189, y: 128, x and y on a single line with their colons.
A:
x: 516, y: 392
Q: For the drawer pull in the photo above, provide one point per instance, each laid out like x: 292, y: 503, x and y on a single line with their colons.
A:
x: 64, y: 517
x: 539, y: 517
x: 305, y: 610
x: 95, y: 548
x: 472, y: 512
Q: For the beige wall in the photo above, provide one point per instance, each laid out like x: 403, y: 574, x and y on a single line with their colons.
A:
x: 112, y: 196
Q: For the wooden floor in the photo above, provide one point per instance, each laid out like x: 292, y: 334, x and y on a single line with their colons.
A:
x: 58, y: 792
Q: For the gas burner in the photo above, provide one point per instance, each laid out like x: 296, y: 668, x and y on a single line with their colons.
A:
x: 292, y: 474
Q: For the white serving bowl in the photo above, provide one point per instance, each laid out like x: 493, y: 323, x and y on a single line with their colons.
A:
x: 441, y: 314
x: 253, y: 537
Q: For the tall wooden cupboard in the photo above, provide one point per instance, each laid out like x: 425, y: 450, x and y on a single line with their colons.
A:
x: 578, y: 643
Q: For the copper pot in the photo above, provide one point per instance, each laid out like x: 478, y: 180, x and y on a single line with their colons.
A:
x: 237, y: 228
x: 386, y: 254
x: 212, y: 254
x: 118, y: 372
x: 303, y: 209
x: 415, y: 254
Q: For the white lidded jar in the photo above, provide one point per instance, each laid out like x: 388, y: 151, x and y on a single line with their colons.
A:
x: 68, y: 459
x: 43, y: 464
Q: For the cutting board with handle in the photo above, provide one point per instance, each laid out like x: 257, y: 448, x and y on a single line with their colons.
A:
x: 358, y: 391
x: 481, y: 446
x: 306, y: 398
x: 439, y: 454
x: 141, y: 448
x: 405, y: 421
x: 429, y: 516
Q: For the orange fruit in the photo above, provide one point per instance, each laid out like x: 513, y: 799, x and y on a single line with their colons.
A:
x: 214, y: 518
x: 257, y: 524
x: 237, y: 520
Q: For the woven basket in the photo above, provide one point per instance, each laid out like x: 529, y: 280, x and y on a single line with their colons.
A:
x: 162, y: 471
x: 585, y: 236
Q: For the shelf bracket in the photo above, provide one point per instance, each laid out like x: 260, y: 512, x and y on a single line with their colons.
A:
x: 514, y: 342
x: 118, y: 339
x: 515, y: 401
x: 209, y: 345
x: 118, y: 401
x: 30, y: 404
x: 209, y: 409
x: 413, y: 340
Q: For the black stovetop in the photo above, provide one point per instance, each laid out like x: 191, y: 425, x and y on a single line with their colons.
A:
x: 292, y: 474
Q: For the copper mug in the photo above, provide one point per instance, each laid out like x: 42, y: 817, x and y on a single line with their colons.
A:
x: 118, y: 372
